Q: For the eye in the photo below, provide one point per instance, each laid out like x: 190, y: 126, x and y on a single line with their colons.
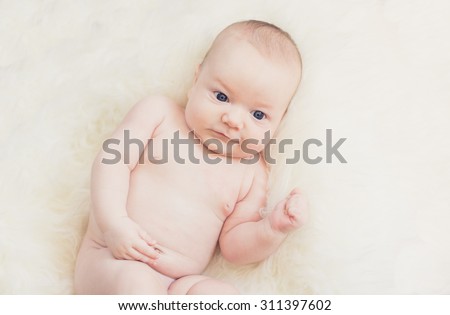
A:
x: 221, y: 97
x: 258, y: 114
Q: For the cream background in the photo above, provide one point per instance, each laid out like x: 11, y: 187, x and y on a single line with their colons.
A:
x: 376, y: 72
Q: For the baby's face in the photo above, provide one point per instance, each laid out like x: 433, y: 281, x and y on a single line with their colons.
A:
x: 238, y: 96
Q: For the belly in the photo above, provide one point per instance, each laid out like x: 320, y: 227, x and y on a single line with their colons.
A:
x: 176, y: 210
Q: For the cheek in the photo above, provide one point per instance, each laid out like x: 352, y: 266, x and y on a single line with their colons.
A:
x: 253, y: 147
x: 195, y: 115
x: 261, y: 133
x: 190, y: 115
x: 257, y: 138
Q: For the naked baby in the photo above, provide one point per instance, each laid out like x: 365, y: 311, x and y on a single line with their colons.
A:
x: 154, y: 227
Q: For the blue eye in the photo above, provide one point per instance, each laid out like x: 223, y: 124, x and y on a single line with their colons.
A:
x: 259, y: 114
x: 221, y: 97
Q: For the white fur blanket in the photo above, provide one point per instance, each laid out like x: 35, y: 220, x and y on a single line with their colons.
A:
x: 375, y: 72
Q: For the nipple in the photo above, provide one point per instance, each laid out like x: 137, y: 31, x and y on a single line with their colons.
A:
x: 263, y: 212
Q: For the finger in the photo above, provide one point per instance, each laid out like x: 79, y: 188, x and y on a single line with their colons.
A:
x: 298, y: 214
x: 281, y: 205
x: 293, y: 204
x: 296, y: 190
x: 126, y: 256
x: 144, y: 235
x: 146, y: 250
x: 136, y: 255
x: 289, y: 217
x: 159, y: 249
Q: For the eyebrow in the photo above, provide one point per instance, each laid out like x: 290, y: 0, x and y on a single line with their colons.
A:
x: 264, y: 106
x: 227, y: 87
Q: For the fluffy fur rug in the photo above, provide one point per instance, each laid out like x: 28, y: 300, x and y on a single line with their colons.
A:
x: 375, y: 72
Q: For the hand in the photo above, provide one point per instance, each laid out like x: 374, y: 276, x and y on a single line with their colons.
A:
x: 127, y: 240
x: 290, y: 213
x: 174, y: 264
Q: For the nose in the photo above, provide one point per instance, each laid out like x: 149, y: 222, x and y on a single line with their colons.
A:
x: 234, y: 119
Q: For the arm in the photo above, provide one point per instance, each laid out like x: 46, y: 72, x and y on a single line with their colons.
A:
x: 110, y: 182
x: 248, y: 238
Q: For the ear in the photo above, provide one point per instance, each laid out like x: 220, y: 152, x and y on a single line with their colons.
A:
x: 197, y: 71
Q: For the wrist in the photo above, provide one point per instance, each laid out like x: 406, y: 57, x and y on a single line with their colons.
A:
x: 272, y: 228
x: 111, y: 223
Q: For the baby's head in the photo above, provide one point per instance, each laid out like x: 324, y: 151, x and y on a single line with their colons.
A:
x: 243, y: 87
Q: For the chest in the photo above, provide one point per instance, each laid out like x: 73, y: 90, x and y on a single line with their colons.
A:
x: 176, y: 164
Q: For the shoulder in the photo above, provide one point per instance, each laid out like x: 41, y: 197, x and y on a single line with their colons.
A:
x: 156, y: 103
x: 152, y: 110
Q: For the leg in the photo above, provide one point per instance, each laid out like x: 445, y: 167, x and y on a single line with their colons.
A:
x: 98, y: 272
x: 199, y: 284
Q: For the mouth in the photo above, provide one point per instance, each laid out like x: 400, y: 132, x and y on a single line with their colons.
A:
x: 221, y: 135
x: 224, y: 137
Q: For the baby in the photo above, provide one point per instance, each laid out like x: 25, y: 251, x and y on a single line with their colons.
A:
x: 154, y: 226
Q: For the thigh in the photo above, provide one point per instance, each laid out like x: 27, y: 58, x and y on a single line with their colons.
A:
x: 199, y: 284
x: 98, y: 272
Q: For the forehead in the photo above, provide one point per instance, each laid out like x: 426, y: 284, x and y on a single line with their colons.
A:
x: 244, y: 69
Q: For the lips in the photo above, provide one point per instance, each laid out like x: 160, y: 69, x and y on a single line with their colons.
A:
x: 223, y: 136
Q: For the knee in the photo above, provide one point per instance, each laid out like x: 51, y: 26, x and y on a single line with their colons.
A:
x: 212, y: 286
x: 182, y: 285
x: 201, y: 285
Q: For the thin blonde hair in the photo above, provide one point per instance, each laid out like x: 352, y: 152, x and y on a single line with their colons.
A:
x: 268, y: 38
